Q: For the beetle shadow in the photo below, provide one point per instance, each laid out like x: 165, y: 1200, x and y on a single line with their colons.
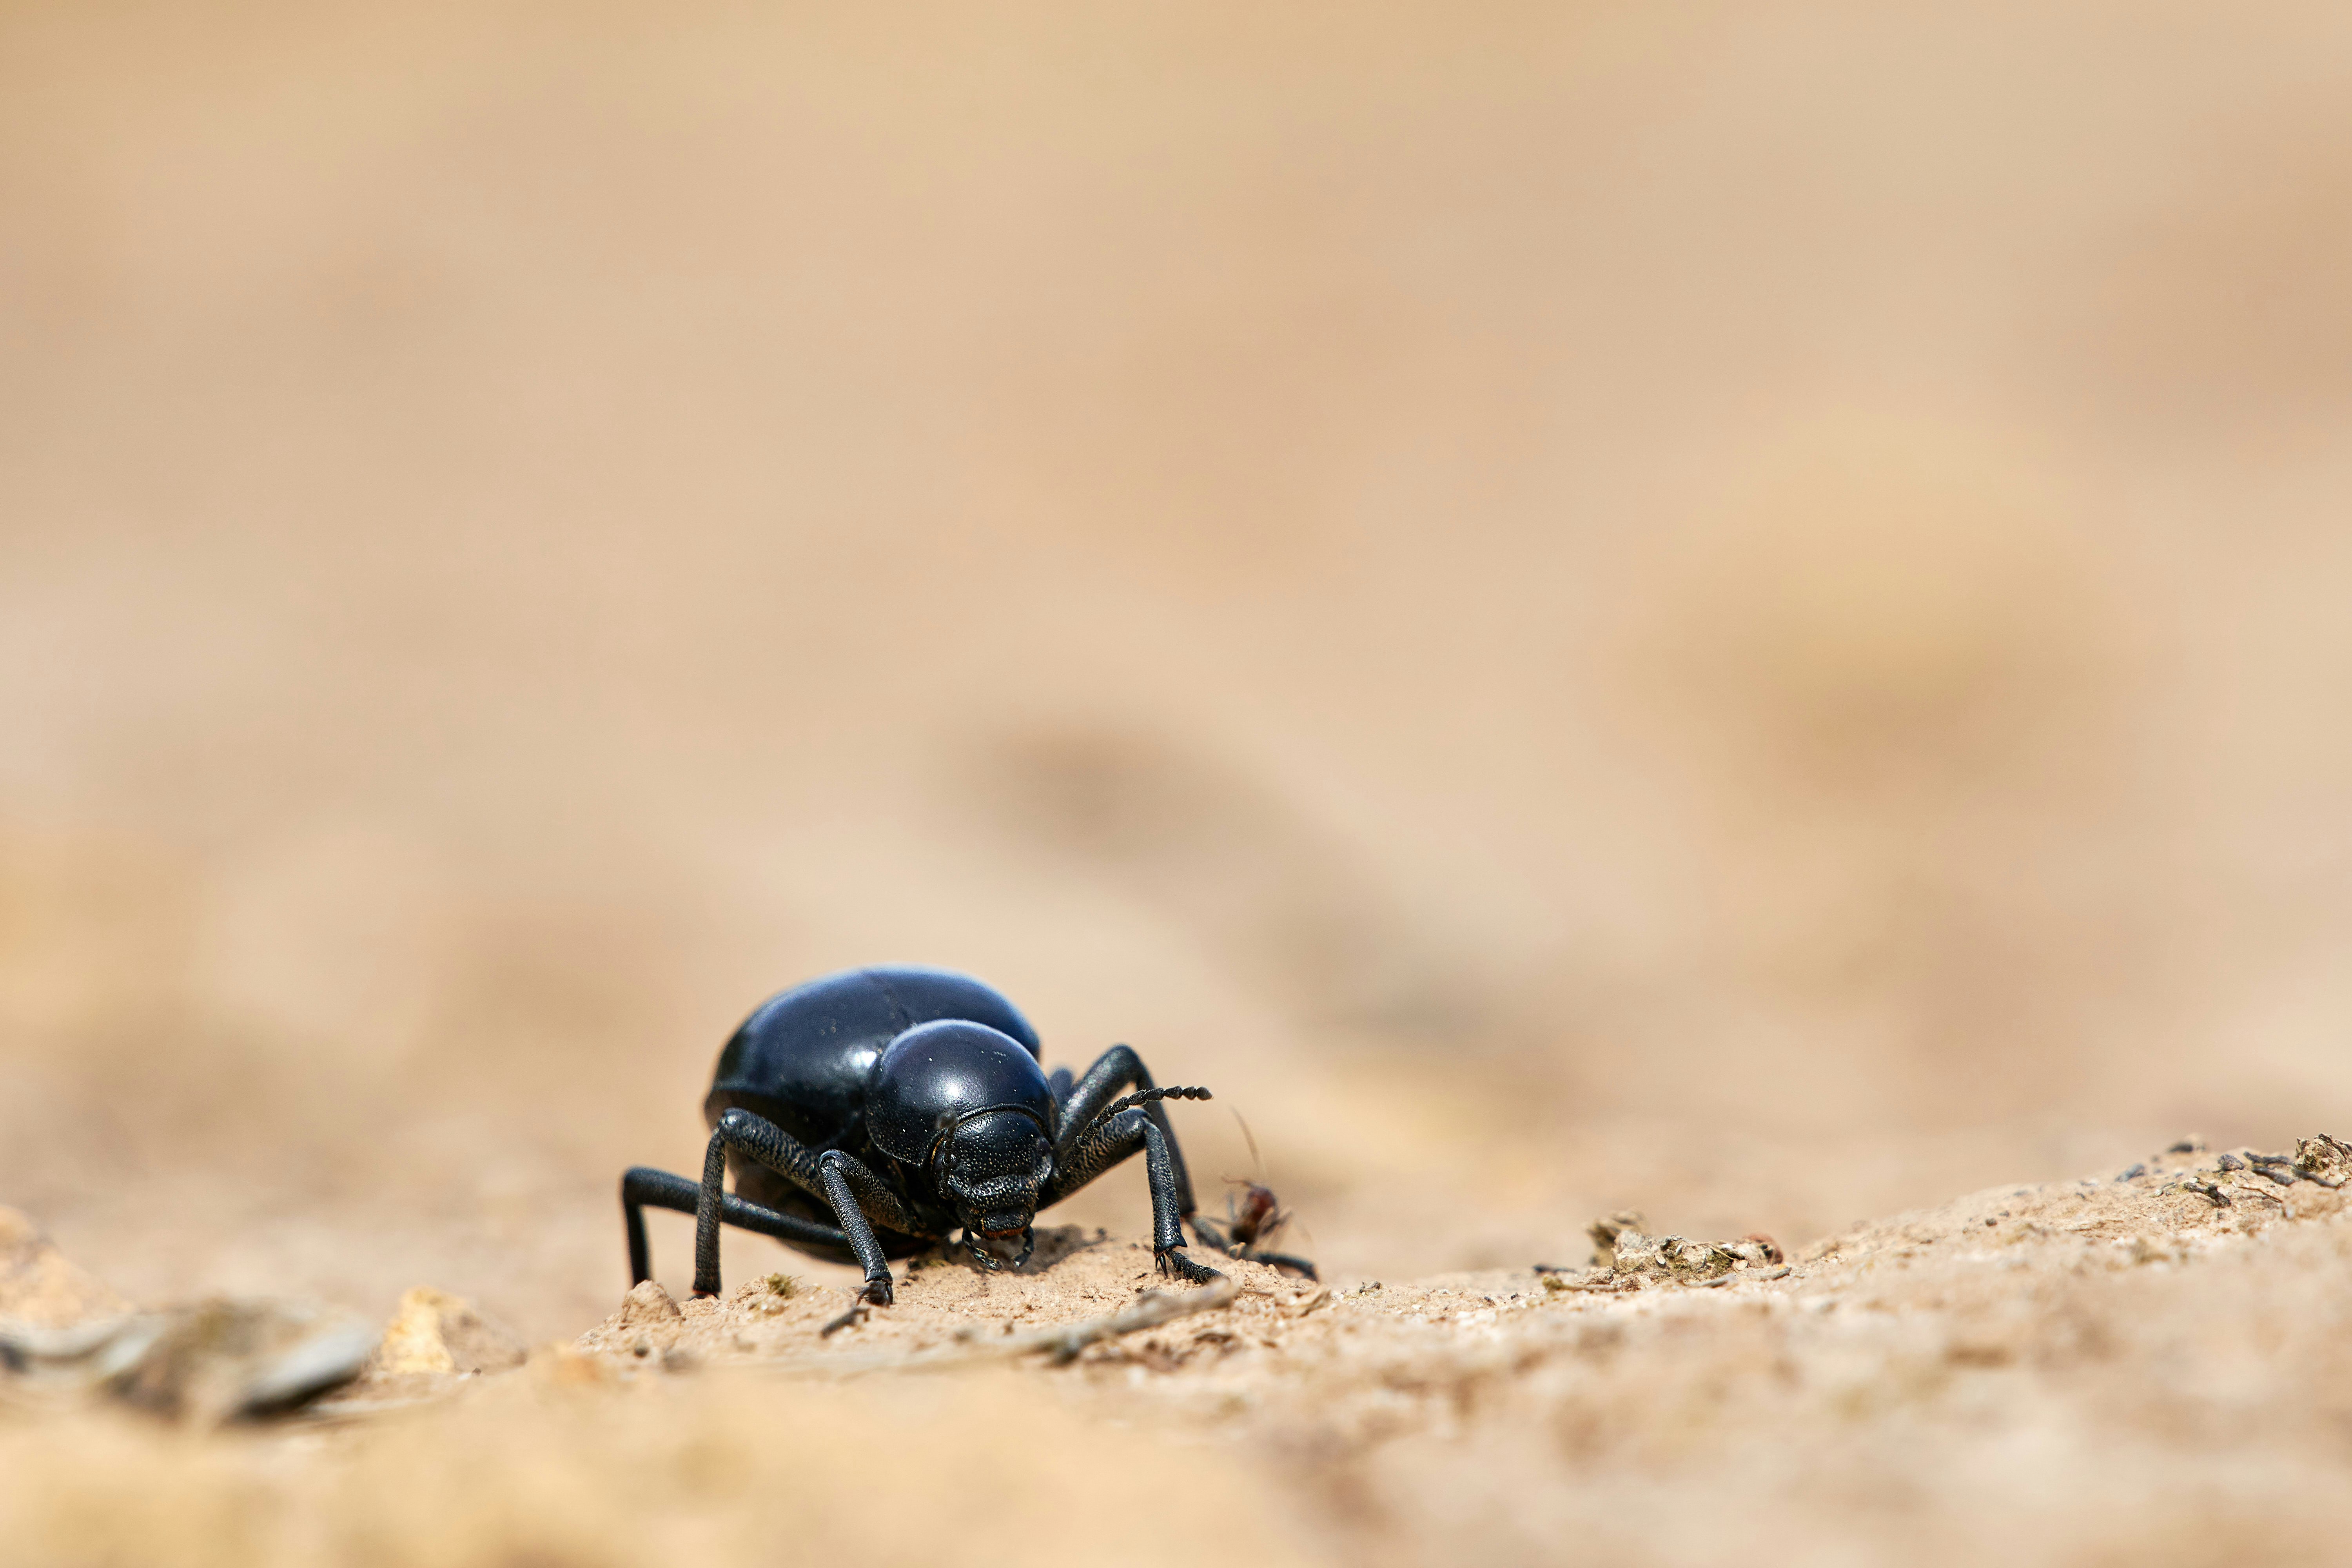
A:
x: 1054, y: 1243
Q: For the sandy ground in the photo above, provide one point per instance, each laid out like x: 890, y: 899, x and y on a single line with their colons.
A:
x: 1495, y: 584
x: 2150, y: 1366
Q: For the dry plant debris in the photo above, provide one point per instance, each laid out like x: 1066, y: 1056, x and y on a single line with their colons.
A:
x: 1626, y: 1258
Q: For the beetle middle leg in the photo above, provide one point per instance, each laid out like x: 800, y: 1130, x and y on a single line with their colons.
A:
x: 1098, y: 1148
x: 642, y: 1186
x: 859, y: 1198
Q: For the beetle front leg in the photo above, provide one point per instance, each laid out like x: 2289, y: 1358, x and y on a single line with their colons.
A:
x: 1170, y: 1194
x: 848, y: 1185
x: 1110, y: 1145
x: 1118, y: 1069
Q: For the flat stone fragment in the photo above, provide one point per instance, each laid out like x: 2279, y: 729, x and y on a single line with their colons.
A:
x: 40, y: 1286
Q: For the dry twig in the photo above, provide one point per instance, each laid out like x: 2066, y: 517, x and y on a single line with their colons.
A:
x: 1059, y: 1345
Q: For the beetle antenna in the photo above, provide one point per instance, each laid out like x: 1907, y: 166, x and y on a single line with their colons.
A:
x: 1143, y: 1097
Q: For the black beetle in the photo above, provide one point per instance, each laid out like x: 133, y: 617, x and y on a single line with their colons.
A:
x: 868, y: 1114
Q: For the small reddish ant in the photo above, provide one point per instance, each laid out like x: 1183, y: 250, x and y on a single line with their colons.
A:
x: 1253, y: 1215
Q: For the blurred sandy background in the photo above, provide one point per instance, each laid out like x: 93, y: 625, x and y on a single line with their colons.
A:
x: 1738, y: 608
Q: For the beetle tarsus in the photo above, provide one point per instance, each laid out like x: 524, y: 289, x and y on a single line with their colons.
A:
x: 1174, y: 1260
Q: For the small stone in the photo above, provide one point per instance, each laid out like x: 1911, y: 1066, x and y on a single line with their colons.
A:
x: 411, y: 1340
x: 647, y: 1304
x: 218, y: 1361
x: 434, y: 1332
x: 42, y: 1286
x: 223, y: 1360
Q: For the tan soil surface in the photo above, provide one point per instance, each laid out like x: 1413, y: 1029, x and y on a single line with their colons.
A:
x: 2151, y: 1368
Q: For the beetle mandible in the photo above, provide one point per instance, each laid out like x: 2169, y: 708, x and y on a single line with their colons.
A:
x: 867, y: 1114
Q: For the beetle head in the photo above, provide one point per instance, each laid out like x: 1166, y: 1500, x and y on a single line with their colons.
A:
x: 992, y: 1168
